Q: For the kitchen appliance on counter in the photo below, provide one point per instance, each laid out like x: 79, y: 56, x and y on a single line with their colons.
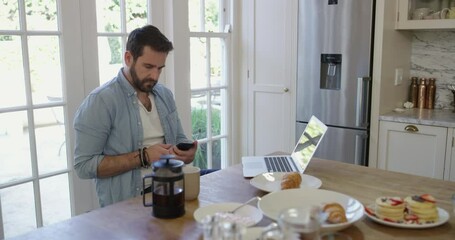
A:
x: 333, y: 76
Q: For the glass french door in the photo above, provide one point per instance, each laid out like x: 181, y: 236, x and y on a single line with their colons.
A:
x: 35, y: 169
x: 210, y: 78
x: 47, y: 57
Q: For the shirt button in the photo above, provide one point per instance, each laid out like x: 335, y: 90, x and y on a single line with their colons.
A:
x: 139, y: 123
x: 137, y: 189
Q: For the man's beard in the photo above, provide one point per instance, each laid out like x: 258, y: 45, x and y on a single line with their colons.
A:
x: 141, y: 84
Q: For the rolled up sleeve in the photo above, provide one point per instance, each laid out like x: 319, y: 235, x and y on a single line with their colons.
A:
x: 91, y: 127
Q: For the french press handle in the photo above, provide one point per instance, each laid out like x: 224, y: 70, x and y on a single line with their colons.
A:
x: 149, y: 204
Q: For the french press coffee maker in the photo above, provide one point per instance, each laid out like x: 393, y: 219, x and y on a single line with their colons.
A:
x: 168, y: 196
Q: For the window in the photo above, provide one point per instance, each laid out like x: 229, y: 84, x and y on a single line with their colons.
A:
x: 209, y: 77
x: 115, y: 20
x: 46, y: 77
x: 35, y: 172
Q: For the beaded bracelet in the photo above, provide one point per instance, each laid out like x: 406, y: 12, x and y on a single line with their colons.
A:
x: 141, y: 157
x: 144, y: 158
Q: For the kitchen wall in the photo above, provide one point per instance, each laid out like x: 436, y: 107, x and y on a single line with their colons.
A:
x: 433, y: 55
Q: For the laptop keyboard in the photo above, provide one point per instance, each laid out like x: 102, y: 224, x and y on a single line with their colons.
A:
x: 277, y: 164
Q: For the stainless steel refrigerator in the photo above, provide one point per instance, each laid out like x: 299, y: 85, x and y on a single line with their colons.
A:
x: 333, y: 74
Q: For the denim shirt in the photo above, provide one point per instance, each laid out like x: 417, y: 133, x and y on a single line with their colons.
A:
x: 108, y: 123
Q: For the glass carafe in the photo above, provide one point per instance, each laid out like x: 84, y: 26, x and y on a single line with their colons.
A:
x: 168, y: 197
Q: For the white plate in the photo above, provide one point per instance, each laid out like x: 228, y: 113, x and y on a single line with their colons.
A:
x: 245, y: 211
x: 273, y: 203
x: 271, y: 182
x: 443, y: 218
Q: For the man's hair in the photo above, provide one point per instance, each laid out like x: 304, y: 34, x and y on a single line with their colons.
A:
x: 147, y: 36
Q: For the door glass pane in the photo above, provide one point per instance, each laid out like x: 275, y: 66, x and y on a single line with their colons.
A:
x: 45, y: 69
x: 18, y: 209
x: 194, y: 15
x: 204, y: 18
x: 55, y: 199
x: 110, y: 57
x: 200, y: 160
x: 217, y: 62
x: 15, y: 150
x: 12, y: 84
x: 212, y: 23
x: 216, y: 153
x: 198, y: 67
x: 216, y: 112
x: 108, y: 16
x: 136, y: 12
x: 10, y: 15
x: 50, y: 139
x: 41, y: 15
x: 199, y: 114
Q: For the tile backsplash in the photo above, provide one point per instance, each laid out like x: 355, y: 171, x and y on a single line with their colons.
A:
x: 433, y: 55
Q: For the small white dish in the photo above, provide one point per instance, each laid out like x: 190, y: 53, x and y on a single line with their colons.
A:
x: 273, y: 203
x: 252, y: 233
x: 246, y: 211
x: 443, y: 218
x: 271, y: 182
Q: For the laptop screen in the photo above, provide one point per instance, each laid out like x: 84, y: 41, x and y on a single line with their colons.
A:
x: 308, y: 142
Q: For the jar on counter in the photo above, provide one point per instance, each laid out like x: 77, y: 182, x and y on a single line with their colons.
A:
x: 431, y: 92
x: 414, y: 91
x: 422, y: 93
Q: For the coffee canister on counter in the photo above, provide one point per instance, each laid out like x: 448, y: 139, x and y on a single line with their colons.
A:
x: 422, y: 93
x: 431, y: 92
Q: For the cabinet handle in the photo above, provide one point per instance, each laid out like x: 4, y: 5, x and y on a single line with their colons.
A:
x: 411, y: 128
x: 285, y: 89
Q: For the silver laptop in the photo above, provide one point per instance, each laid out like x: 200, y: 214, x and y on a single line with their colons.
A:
x: 297, y: 161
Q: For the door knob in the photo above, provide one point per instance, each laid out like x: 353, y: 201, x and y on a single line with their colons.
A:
x: 285, y: 89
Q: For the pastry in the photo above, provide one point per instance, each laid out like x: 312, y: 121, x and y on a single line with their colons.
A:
x: 291, y: 180
x: 422, y: 208
x: 390, y: 208
x: 335, y: 213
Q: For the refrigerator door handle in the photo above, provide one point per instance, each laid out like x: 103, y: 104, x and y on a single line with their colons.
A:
x: 363, y: 101
x: 360, y: 149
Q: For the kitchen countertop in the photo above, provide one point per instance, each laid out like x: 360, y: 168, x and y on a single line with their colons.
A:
x: 431, y: 117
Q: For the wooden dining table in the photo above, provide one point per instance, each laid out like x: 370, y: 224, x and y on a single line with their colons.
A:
x: 131, y: 220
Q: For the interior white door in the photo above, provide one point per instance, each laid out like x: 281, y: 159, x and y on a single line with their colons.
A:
x: 272, y: 43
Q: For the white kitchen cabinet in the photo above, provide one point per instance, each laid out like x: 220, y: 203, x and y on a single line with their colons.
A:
x: 411, y: 148
x: 407, y: 8
x: 449, y: 173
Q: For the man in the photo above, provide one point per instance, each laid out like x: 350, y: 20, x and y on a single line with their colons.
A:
x: 129, y: 122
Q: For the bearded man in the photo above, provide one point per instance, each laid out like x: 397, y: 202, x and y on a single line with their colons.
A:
x: 125, y: 125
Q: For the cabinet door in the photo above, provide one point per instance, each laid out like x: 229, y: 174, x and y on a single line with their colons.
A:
x: 414, y: 149
x: 424, y: 14
x: 449, y: 174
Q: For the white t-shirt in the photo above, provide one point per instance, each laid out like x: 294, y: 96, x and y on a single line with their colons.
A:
x: 151, y: 125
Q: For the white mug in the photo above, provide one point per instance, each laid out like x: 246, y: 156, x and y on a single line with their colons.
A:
x: 421, y: 13
x: 191, y: 176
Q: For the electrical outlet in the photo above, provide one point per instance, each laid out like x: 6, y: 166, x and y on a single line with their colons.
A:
x: 398, y: 76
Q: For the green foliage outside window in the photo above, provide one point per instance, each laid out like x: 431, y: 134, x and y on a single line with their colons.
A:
x: 199, y: 126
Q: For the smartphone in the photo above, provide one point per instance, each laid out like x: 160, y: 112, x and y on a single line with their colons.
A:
x: 184, y: 146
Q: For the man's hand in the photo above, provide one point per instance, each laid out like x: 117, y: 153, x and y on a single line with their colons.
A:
x: 154, y: 152
x: 187, y: 156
